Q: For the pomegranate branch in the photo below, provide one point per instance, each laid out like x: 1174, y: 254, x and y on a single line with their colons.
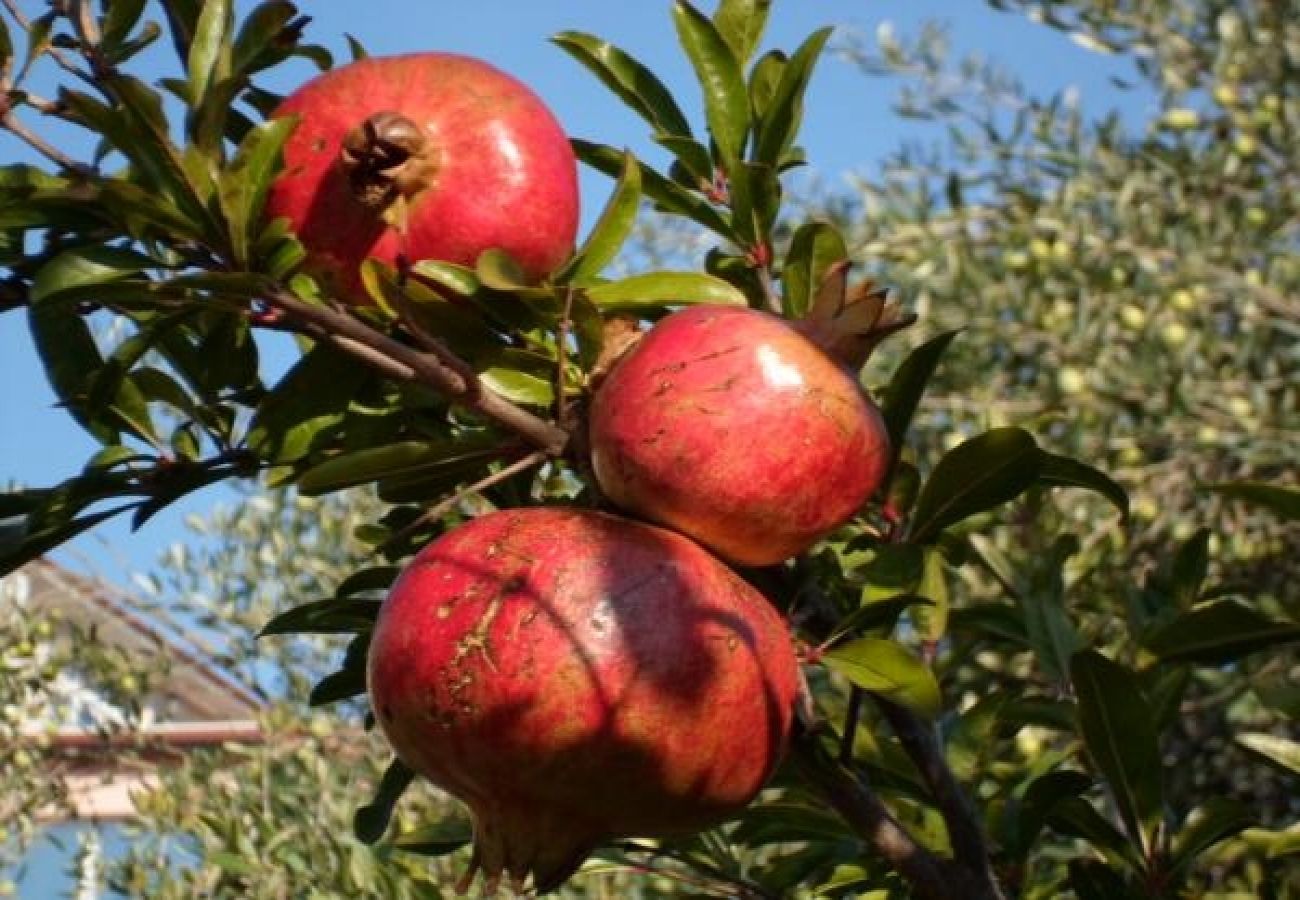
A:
x: 437, y: 368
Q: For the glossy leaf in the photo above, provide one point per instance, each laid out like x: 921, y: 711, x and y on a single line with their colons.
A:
x: 518, y: 386
x: 1283, y: 502
x: 83, y: 267
x: 667, y: 195
x: 978, y: 475
x: 1039, y: 799
x: 814, y: 248
x: 1217, y: 820
x: 1219, y: 632
x: 312, y: 396
x: 1116, y: 725
x: 1190, y: 566
x: 406, y: 458
x: 764, y: 78
x: 245, y: 183
x: 209, y: 44
x: 873, y: 614
x: 332, y: 616
x: 438, y: 839
x: 375, y: 578
x: 1076, y: 817
x: 371, y: 820
x: 1282, y: 751
x: 498, y: 270
x: 883, y: 667
x: 726, y: 99
x: 741, y: 24
x: 458, y: 279
x: 784, y: 114
x: 632, y: 82
x: 71, y: 360
x: 1062, y: 471
x: 656, y: 290
x: 902, y: 396
x: 611, y: 229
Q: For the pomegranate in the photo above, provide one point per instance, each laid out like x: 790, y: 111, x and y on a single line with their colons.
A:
x: 575, y: 677
x: 734, y: 427
x: 424, y: 156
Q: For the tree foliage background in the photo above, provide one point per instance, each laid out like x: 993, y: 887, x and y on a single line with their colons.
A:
x: 1129, y: 296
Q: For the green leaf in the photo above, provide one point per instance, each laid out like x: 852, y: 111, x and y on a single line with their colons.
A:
x: 1218, y: 633
x: 519, y: 387
x: 902, y: 396
x: 667, y: 195
x: 873, y: 614
x: 1283, y: 502
x: 71, y: 360
x: 460, y: 280
x: 1116, y: 724
x: 611, y: 229
x: 931, y: 621
x: 438, y: 839
x: 1190, y: 566
x: 312, y: 396
x: 763, y: 81
x: 883, y: 667
x: 1280, y: 750
x: 342, y: 685
x: 814, y: 248
x: 1040, y: 798
x: 632, y: 82
x: 656, y: 290
x: 741, y: 24
x: 978, y: 475
x: 1062, y: 471
x: 726, y: 100
x: 407, y: 459
x: 244, y: 185
x: 1217, y: 820
x: 332, y: 616
x: 375, y: 578
x: 209, y: 44
x: 1076, y: 817
x: 120, y: 18
x: 786, y: 821
x: 83, y: 267
x: 1050, y: 629
x: 784, y: 113
x: 371, y: 820
x: 498, y: 270
x: 38, y: 42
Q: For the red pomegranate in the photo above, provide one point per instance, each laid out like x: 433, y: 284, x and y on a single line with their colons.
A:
x: 424, y: 156
x: 575, y: 677
x: 736, y: 429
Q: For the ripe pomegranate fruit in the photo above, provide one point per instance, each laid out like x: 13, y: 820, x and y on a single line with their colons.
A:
x: 736, y: 428
x: 575, y: 677
x: 424, y: 156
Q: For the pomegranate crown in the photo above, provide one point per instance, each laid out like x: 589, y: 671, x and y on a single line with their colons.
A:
x: 850, y: 321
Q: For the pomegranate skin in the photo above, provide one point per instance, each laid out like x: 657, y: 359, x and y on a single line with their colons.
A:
x: 730, y: 426
x: 502, y: 171
x: 575, y: 677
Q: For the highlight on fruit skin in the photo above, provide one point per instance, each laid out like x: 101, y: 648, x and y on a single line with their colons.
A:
x: 574, y: 677
x: 733, y: 427
x: 424, y: 156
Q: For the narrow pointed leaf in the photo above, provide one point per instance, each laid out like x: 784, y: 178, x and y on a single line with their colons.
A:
x: 814, y: 248
x: 211, y: 38
x: 656, y: 290
x: 1040, y: 798
x: 1091, y: 879
x: 1116, y: 725
x: 371, y: 820
x: 784, y: 113
x: 1190, y: 566
x: 980, y: 474
x: 667, y: 195
x: 438, y: 839
x: 632, y: 82
x: 1281, y: 501
x: 1280, y: 750
x: 902, y: 396
x: 613, y: 226
x: 1062, y: 471
x: 726, y: 99
x: 1220, y: 632
x: 244, y: 185
x: 407, y: 459
x: 741, y: 24
x: 883, y: 667
x: 332, y: 616
x: 1219, y: 819
x: 83, y: 267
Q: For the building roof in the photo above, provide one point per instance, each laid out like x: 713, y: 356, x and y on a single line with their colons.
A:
x: 195, y: 689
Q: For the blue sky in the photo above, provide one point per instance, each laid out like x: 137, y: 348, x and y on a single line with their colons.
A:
x: 848, y: 126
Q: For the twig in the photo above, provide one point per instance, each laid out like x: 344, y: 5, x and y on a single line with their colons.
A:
x: 438, y: 510
x: 440, y: 370
x: 59, y: 56
x: 922, y: 745
x: 561, y: 356
x: 871, y: 820
x: 42, y: 146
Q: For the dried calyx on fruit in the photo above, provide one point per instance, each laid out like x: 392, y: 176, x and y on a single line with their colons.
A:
x: 424, y: 156
x: 574, y: 677
x: 744, y: 431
